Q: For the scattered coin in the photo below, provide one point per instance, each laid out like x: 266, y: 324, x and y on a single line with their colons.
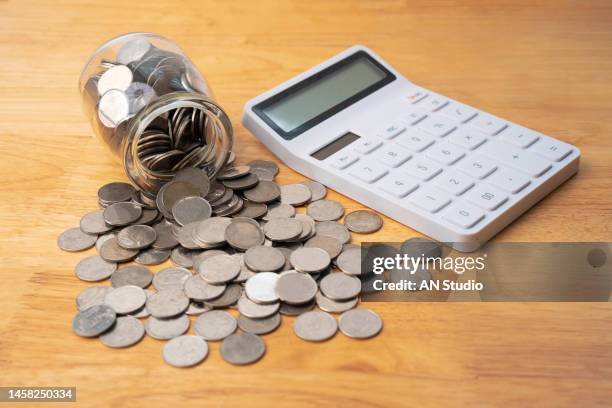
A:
x: 262, y: 258
x: 199, y: 290
x: 112, y: 252
x: 283, y: 229
x: 136, y: 237
x: 165, y: 238
x: 317, y: 190
x: 363, y: 221
x: 171, y: 278
x: 215, y: 325
x: 252, y: 210
x: 196, y: 309
x: 279, y: 210
x: 315, y: 326
x: 244, y: 235
x: 212, y: 230
x: 296, y: 288
x: 74, y: 240
x: 126, y: 332
x: 242, y: 348
x: 173, y: 192
x: 115, y: 192
x: 264, y: 192
x: 93, y: 223
x: 338, y: 286
x: 219, y: 269
x: 230, y: 296
x: 310, y: 260
x: 329, y: 244
x: 295, y: 310
x: 126, y: 299
x: 360, y: 323
x: 134, y: 275
x: 259, y: 326
x: 334, y: 306
x: 349, y: 261
x: 295, y: 194
x: 233, y: 172
x: 325, y: 210
x: 93, y: 321
x: 333, y: 229
x: 186, y: 236
x: 185, y: 351
x: 264, y: 164
x: 166, y: 329
x: 261, y: 288
x: 152, y: 256
x: 148, y: 217
x: 191, y: 209
x: 263, y: 174
x: 120, y: 214
x: 196, y: 177
x: 241, y: 183
x: 92, y: 296
x: 254, y: 310
x: 103, y: 238
x: 94, y: 268
x: 167, y: 303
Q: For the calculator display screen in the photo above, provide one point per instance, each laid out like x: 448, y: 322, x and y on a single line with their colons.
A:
x: 302, y: 106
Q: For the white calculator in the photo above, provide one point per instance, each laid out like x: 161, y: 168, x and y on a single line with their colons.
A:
x: 444, y: 168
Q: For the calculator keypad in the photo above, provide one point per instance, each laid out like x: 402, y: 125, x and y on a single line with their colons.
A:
x: 450, y: 160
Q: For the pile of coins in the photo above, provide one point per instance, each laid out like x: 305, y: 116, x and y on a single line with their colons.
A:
x: 236, y: 242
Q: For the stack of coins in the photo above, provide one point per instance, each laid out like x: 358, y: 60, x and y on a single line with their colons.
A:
x: 237, y: 242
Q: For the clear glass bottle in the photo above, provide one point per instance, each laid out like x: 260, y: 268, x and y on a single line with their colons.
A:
x: 153, y: 109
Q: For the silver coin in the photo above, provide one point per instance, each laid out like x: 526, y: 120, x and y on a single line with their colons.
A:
x: 264, y: 192
x: 191, y: 209
x: 134, y: 275
x: 254, y: 310
x: 349, y: 261
x: 118, y: 77
x: 283, y: 229
x: 112, y: 252
x: 263, y: 174
x: 242, y: 348
x: 296, y: 310
x: 333, y: 229
x: 252, y: 210
x: 264, y: 164
x: 296, y: 288
x: 261, y: 288
x: 148, y: 217
x: 339, y: 286
x: 173, y: 192
x: 196, y: 177
x: 165, y: 238
x: 115, y: 192
x: 317, y: 190
x: 152, y: 256
x: 243, y: 235
x: 139, y: 95
x: 113, y: 108
x: 93, y: 321
x: 184, y: 257
x: 229, y: 297
x: 241, y: 183
x: 143, y: 312
x: 315, y: 326
x: 185, y: 351
x: 93, y: 223
x: 217, y: 190
x: 133, y: 51
x: 186, y: 236
x: 74, y: 240
x: 233, y: 172
x: 279, y: 210
x: 199, y: 290
x: 136, y: 237
x: 325, y: 210
x: 360, y: 323
x: 197, y: 308
x: 287, y: 254
x: 166, y: 329
x: 167, y: 303
x: 92, y: 296
x: 171, y: 278
x: 262, y: 258
x: 231, y: 208
x: 310, y: 260
x: 103, y: 238
x: 308, y: 226
x: 212, y: 230
x: 329, y: 244
x: 259, y: 326
x: 219, y: 269
x: 363, y: 221
x: 245, y: 272
x: 335, y: 306
x: 126, y: 332
x: 204, y: 255
x: 93, y: 268
x: 126, y: 299
x: 295, y: 194
x: 215, y: 325
x: 120, y: 214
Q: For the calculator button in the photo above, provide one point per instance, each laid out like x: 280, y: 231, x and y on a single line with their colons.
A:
x: 367, y: 145
x: 392, y: 155
x: 413, y: 115
x: 415, y: 140
x: 392, y: 130
x: 433, y: 103
x: 445, y: 153
x: 510, y: 181
x: 519, y: 136
x: 518, y: 159
x: 398, y: 184
x: 369, y: 171
x: 467, y: 138
x: 454, y: 182
x: 477, y: 166
x: 463, y: 215
x: 487, y: 197
x: 459, y: 112
x: 437, y: 125
x: 343, y: 159
x: 488, y: 124
x: 430, y: 199
x: 552, y: 149
x: 416, y: 95
x: 422, y: 168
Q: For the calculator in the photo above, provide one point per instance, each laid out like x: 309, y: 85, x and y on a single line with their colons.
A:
x: 444, y: 168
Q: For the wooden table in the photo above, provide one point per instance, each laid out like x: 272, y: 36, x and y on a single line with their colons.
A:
x: 546, y: 65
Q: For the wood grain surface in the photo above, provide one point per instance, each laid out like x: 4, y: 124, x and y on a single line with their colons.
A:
x: 544, y: 64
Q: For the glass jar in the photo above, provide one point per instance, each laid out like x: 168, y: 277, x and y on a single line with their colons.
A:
x: 153, y: 109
